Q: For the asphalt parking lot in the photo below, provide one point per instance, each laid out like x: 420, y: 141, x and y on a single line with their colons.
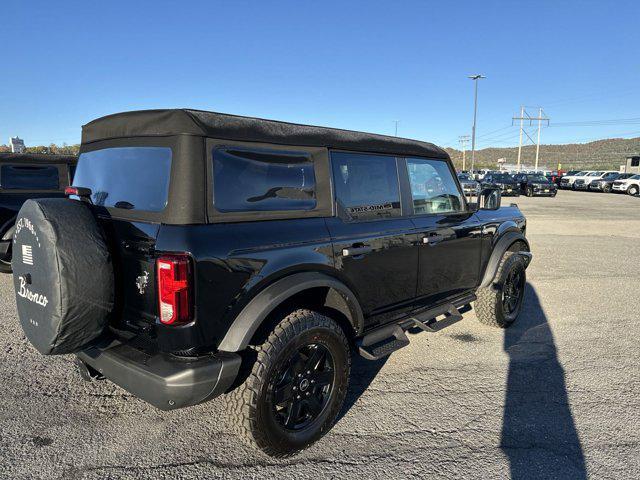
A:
x: 555, y: 396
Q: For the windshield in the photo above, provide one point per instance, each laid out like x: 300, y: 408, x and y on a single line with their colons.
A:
x: 501, y: 178
x: 537, y: 178
x: 611, y: 175
x: 131, y: 178
x: 464, y: 176
x: 635, y: 177
x: 595, y: 174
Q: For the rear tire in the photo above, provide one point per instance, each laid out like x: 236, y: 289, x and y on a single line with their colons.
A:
x: 296, y: 387
x: 499, y: 304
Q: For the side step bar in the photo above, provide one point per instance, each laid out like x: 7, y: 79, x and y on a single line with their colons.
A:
x: 386, y: 340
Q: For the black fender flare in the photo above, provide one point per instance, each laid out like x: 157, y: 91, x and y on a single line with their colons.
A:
x: 502, y: 245
x: 256, y: 311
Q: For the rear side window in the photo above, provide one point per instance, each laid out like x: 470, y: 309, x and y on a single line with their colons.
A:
x: 366, y: 186
x: 262, y: 180
x: 23, y: 177
x: 130, y: 178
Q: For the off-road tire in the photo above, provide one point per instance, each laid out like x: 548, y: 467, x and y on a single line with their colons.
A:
x: 488, y: 306
x: 248, y: 405
x: 633, y: 190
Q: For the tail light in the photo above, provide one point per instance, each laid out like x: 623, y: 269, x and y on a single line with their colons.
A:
x: 174, y: 289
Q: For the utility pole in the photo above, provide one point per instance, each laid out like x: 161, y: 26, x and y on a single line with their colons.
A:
x: 464, y: 139
x: 475, y: 79
x: 520, y: 142
x: 396, y: 122
x: 524, y: 116
x: 538, y: 143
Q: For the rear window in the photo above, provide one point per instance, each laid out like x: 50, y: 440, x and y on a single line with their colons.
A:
x: 24, y: 177
x: 262, y: 180
x: 130, y: 178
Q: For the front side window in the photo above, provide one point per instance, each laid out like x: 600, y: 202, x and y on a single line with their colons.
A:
x: 129, y: 178
x: 366, y: 186
x: 262, y: 180
x: 432, y: 187
x: 24, y: 177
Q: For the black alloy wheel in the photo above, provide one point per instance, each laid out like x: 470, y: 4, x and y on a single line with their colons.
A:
x: 295, y: 385
x: 302, y: 386
x: 513, y: 293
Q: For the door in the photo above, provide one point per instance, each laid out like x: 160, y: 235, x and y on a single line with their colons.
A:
x: 374, y: 245
x: 449, y: 234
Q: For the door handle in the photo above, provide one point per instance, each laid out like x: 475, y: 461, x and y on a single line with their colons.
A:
x: 432, y: 239
x: 355, y: 250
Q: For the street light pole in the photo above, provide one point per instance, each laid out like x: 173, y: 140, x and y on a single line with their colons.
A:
x: 475, y: 79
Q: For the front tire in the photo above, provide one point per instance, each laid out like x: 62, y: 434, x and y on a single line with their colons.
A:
x: 530, y: 192
x: 296, y: 386
x: 607, y: 189
x: 633, y: 190
x: 499, y: 304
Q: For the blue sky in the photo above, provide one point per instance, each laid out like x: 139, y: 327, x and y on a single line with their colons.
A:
x: 349, y: 64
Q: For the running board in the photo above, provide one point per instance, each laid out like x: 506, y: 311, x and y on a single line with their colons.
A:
x: 386, y: 340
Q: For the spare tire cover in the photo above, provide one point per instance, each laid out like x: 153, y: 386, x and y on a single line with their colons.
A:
x: 63, y: 275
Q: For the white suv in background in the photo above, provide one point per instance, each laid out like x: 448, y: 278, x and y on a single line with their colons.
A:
x: 582, y: 183
x: 567, y: 180
x: 630, y: 185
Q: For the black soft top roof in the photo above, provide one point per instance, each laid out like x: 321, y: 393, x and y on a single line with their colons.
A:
x: 146, y: 123
x: 37, y: 158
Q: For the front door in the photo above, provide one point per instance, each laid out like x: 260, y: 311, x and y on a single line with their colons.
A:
x: 449, y: 235
x: 374, y: 245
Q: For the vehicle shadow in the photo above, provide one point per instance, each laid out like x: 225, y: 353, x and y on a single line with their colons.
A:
x: 539, y: 435
x: 363, y: 372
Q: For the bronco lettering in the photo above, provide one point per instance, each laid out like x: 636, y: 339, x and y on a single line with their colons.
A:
x: 24, y: 292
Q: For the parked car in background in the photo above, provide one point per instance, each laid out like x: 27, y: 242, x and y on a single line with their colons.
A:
x: 469, y: 185
x: 480, y: 174
x: 535, y: 185
x: 503, y: 181
x: 605, y: 184
x: 24, y: 176
x: 629, y: 185
x: 584, y: 182
x: 568, y: 180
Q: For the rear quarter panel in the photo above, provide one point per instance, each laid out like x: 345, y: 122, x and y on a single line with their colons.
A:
x: 234, y: 261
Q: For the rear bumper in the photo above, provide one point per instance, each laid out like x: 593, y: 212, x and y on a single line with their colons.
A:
x: 164, y: 381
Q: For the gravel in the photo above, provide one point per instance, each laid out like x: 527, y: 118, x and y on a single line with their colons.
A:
x: 555, y: 396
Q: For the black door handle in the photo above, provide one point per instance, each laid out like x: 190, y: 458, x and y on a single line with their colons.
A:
x: 356, y: 250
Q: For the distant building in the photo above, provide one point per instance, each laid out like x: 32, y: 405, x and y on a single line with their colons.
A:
x: 16, y: 144
x: 633, y: 164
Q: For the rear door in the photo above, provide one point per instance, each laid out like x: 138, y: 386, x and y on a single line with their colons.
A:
x: 449, y: 234
x: 374, y: 244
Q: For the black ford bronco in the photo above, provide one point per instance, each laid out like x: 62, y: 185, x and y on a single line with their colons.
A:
x: 24, y: 176
x: 202, y: 254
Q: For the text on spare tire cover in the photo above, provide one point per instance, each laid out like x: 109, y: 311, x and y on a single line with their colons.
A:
x: 24, y: 292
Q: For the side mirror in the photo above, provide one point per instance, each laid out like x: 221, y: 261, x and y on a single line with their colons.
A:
x: 489, y: 199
